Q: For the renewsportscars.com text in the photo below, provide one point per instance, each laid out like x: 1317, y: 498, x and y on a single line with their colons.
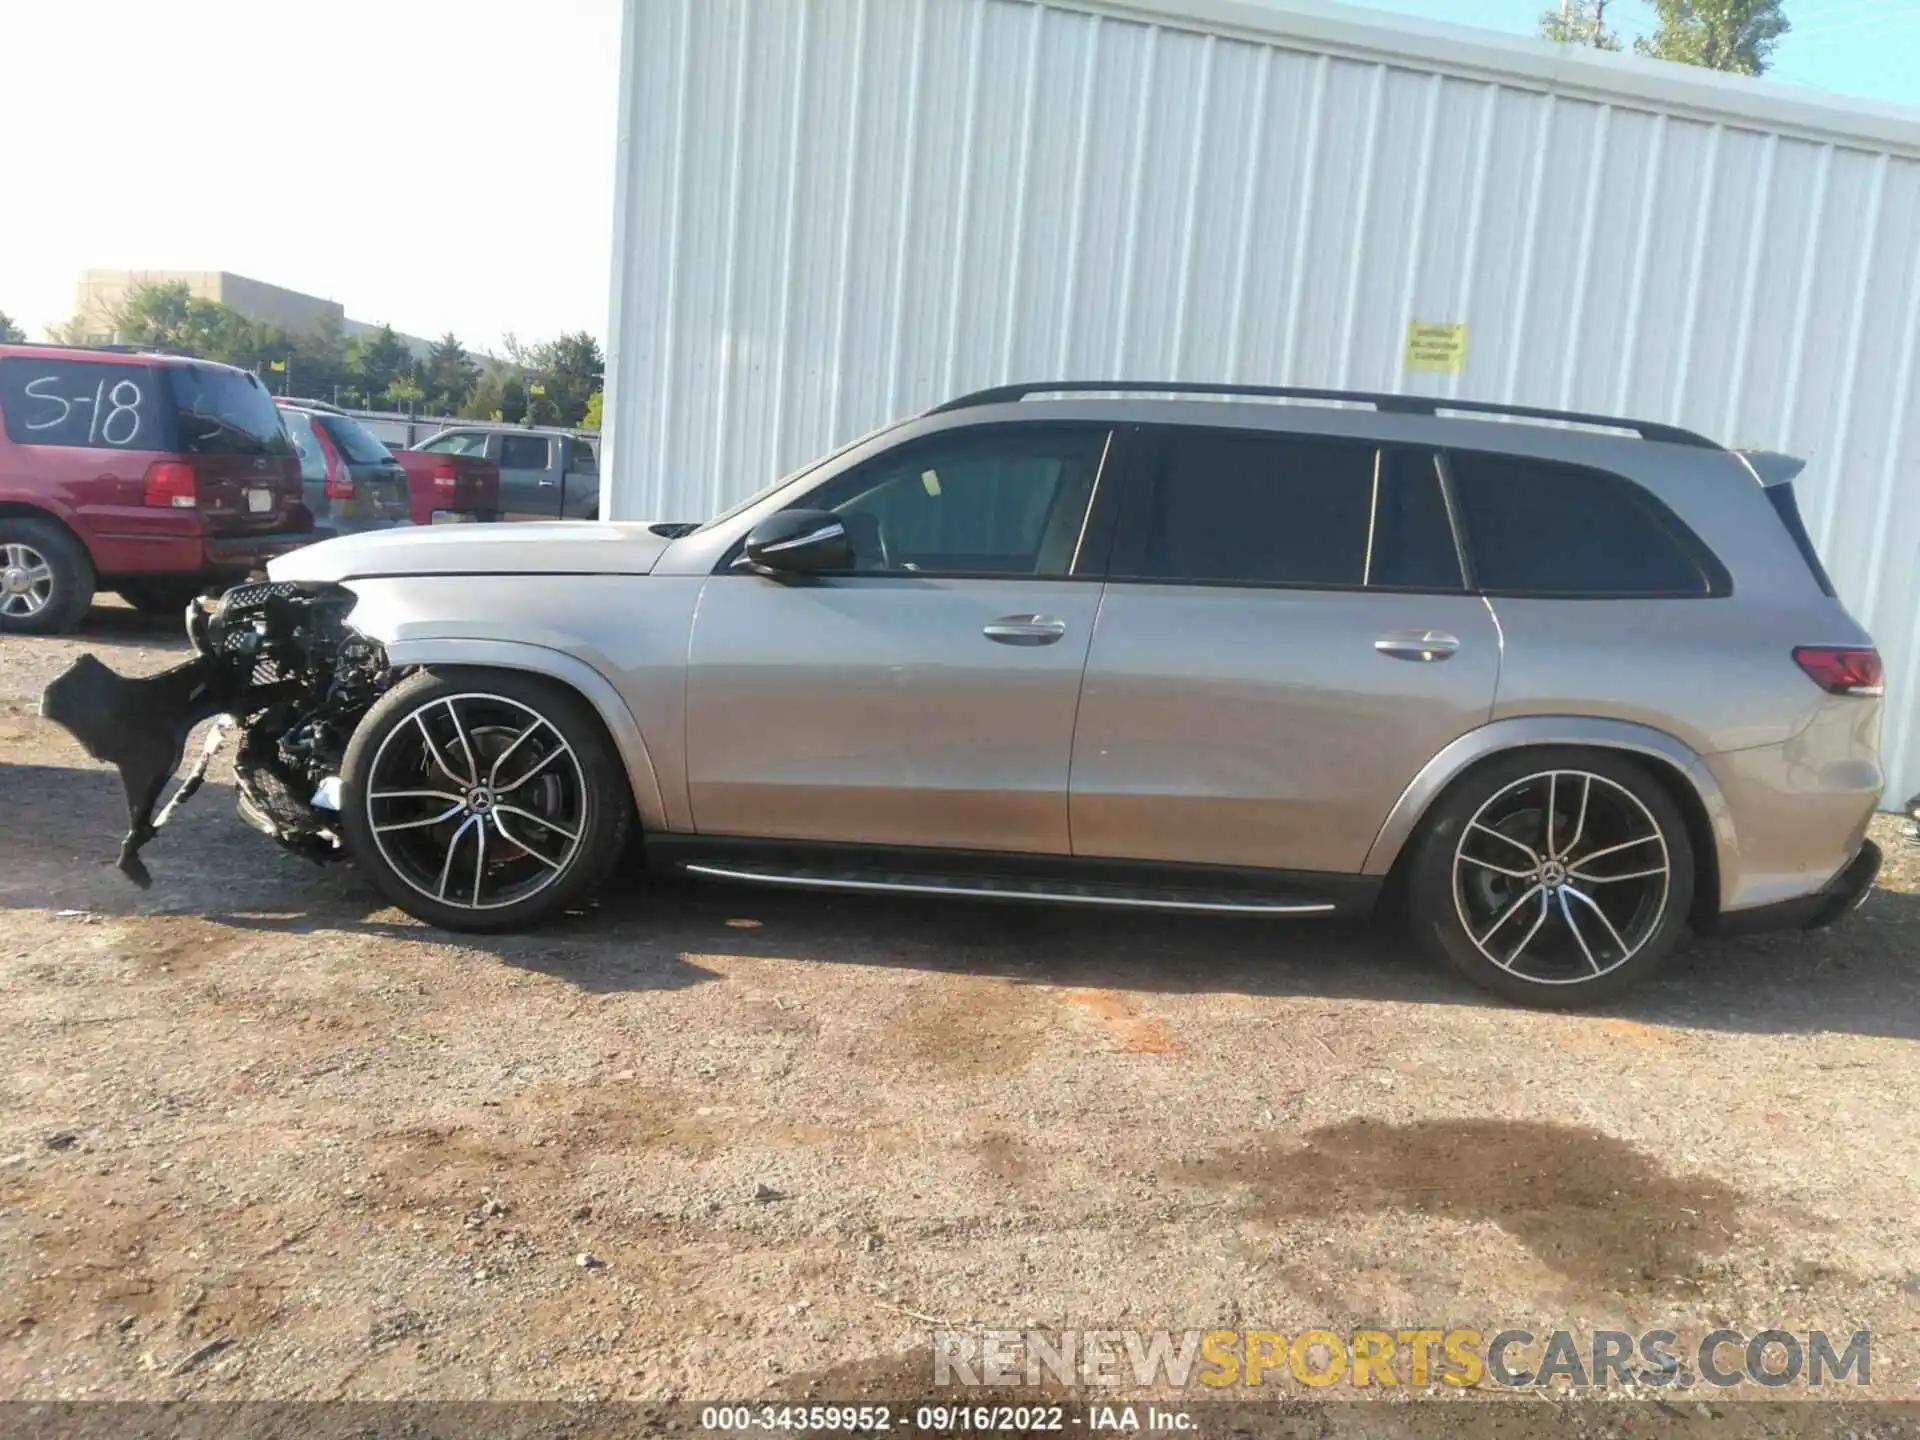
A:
x: 1507, y: 1359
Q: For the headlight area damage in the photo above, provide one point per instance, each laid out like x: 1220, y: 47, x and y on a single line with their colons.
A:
x: 279, y: 660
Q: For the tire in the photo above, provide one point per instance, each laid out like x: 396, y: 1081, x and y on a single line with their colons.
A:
x: 46, y: 577
x: 1557, y: 930
x: 444, y: 843
x: 161, y: 597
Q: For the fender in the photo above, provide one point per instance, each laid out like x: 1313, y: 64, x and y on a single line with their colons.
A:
x: 1591, y: 730
x: 574, y: 673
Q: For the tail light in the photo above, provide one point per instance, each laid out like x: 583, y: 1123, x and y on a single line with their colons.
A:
x: 1840, y: 670
x: 339, y: 479
x: 171, y: 486
x: 445, y: 476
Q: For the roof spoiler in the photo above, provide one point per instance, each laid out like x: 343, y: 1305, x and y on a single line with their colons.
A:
x: 1770, y: 467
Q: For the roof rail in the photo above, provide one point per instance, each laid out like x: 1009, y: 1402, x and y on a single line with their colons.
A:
x: 1387, y: 404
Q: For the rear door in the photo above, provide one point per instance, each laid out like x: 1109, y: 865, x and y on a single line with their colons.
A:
x: 1285, y: 640
x: 529, y: 475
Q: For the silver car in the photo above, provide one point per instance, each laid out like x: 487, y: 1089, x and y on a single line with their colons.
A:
x: 1554, y: 690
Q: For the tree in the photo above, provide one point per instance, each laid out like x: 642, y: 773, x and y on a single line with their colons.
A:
x: 405, y: 391
x: 568, y: 370
x: 1580, y: 22
x: 448, y: 376
x: 375, y: 360
x: 592, y: 419
x: 10, y: 333
x: 1733, y: 35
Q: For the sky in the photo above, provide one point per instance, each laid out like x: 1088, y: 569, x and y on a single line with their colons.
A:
x: 442, y: 164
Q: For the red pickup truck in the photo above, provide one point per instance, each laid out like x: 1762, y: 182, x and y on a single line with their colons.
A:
x: 157, y: 476
x: 451, y: 487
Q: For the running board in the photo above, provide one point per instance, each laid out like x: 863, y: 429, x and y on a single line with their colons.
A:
x: 987, y: 887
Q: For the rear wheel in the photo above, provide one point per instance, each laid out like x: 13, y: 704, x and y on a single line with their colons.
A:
x: 160, y: 597
x: 483, y: 799
x: 46, y: 578
x: 1554, y: 877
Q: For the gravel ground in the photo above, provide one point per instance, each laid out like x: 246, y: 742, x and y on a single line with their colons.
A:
x: 262, y: 1137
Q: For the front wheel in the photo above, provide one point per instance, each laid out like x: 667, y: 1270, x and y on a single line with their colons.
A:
x: 483, y: 800
x: 1554, y: 877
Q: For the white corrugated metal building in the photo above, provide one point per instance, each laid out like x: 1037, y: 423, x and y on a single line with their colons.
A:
x: 835, y: 212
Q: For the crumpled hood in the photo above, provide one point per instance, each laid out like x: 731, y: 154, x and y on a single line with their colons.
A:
x: 567, y: 547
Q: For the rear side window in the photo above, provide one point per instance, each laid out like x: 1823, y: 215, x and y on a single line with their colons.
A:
x: 359, y: 444
x: 583, y: 460
x: 467, y: 442
x: 523, y: 452
x: 1249, y: 508
x: 1533, y: 527
x: 84, y: 404
x: 225, y: 412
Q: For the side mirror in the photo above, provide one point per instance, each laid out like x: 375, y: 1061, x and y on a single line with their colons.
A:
x: 800, y: 542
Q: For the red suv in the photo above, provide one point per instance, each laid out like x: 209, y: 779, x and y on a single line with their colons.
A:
x: 153, y: 475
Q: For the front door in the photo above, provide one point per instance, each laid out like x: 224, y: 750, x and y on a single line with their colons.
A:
x: 1285, y: 641
x: 926, y: 697
x: 529, y: 477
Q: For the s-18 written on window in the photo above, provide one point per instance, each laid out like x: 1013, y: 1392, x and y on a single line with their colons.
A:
x: 78, y: 404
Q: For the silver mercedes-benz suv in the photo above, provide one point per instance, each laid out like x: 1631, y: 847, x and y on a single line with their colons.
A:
x: 1557, y: 685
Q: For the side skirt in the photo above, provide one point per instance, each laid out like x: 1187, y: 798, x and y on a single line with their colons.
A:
x: 975, y: 874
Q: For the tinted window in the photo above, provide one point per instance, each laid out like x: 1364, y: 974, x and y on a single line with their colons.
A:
x: 313, y: 460
x: 225, y: 412
x: 1008, y: 501
x: 358, y: 444
x: 523, y: 452
x: 1412, y: 546
x: 82, y: 403
x: 583, y: 460
x: 1539, y: 528
x: 1263, y: 509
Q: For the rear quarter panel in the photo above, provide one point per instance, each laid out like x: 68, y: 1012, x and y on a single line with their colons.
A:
x: 1798, y: 767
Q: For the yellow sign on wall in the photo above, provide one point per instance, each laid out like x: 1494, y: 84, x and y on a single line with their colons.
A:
x: 1441, y: 348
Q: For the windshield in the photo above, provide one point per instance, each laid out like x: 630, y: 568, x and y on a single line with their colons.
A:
x: 742, y: 506
x: 359, y: 444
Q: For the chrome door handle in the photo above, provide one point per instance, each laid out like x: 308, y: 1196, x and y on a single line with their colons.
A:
x: 1025, y: 629
x: 1417, y: 644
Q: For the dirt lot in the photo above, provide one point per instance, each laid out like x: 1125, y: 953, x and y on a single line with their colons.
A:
x: 260, y: 1136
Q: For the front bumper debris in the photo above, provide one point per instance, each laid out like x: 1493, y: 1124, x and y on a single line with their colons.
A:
x: 278, y: 659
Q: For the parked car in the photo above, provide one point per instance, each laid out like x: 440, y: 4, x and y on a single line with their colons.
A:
x: 157, y: 476
x: 451, y: 487
x: 1553, y: 694
x: 351, y: 480
x: 544, y: 474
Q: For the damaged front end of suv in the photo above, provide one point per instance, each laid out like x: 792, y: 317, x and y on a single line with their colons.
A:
x: 278, y: 660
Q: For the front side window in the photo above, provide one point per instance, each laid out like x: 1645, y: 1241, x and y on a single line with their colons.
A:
x: 523, y: 452
x: 1010, y: 501
x: 1252, y: 508
x: 1534, y: 527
